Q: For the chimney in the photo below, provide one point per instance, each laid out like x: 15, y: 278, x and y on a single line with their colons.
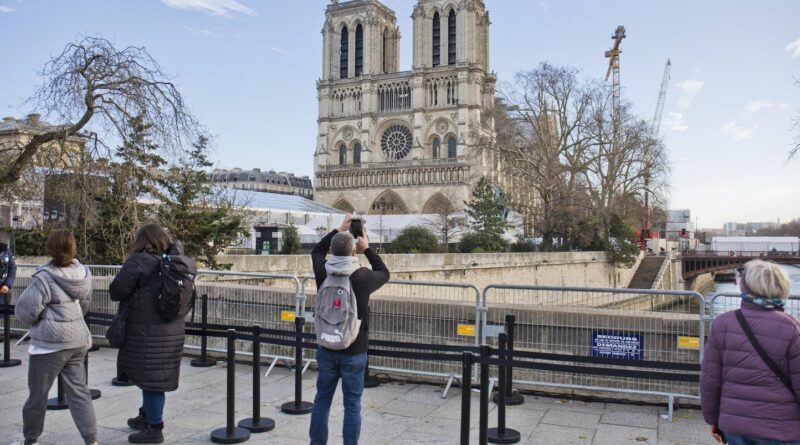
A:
x: 33, y: 119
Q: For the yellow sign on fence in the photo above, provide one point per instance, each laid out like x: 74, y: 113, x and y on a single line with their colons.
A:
x: 287, y: 315
x: 688, y: 342
x: 466, y: 330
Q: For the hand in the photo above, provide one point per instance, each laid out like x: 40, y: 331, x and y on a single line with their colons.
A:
x: 345, y: 227
x: 715, y: 435
x: 4, y: 290
x: 362, y: 243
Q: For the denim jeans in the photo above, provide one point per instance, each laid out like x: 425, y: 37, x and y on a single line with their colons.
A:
x: 153, y: 403
x: 332, y: 366
x: 735, y: 439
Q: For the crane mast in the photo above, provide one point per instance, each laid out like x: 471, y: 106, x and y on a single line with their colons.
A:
x: 613, y: 68
x: 662, y: 96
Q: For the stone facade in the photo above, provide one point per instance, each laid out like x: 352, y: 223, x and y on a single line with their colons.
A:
x: 263, y: 181
x: 403, y: 142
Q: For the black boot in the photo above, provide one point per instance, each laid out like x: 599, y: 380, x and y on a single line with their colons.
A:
x: 151, y: 434
x: 139, y: 422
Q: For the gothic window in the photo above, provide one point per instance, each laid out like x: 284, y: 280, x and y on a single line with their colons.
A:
x: 452, y: 152
x: 343, y: 53
x: 436, y: 148
x: 342, y: 154
x: 451, y: 38
x: 359, y: 50
x: 385, y: 52
x: 437, y: 33
x: 357, y: 154
x: 396, y: 142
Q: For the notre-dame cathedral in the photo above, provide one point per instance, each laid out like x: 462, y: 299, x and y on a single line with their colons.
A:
x: 396, y: 141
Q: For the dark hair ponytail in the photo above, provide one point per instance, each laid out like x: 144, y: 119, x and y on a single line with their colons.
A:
x: 62, y: 248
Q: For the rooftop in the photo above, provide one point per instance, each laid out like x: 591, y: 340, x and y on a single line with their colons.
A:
x: 265, y: 201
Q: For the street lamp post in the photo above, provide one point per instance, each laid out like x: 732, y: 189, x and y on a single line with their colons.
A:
x: 381, y: 208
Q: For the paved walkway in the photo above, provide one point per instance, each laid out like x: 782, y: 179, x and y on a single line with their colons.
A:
x: 396, y: 414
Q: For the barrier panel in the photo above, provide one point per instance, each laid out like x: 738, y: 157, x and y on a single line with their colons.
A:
x: 727, y: 301
x: 620, y: 335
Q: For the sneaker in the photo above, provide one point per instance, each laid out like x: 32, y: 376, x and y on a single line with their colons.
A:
x: 151, y: 434
x: 139, y: 422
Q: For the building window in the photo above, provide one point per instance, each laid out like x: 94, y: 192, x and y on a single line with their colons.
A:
x: 452, y: 152
x: 343, y: 53
x: 357, y: 154
x: 359, y: 50
x: 451, y: 38
x: 437, y: 34
x: 436, y: 148
x: 385, y: 48
x: 342, y: 155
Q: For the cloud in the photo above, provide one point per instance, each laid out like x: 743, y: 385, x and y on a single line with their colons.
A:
x: 674, y: 122
x: 738, y: 133
x: 202, y: 32
x: 280, y: 51
x: 6, y: 9
x: 220, y: 8
x: 543, y: 7
x: 794, y: 48
x: 689, y: 90
x: 758, y: 105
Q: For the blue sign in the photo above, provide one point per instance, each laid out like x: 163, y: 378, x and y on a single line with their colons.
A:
x: 620, y: 345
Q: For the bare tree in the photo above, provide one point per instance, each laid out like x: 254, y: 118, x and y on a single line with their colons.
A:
x: 443, y: 222
x: 97, y: 90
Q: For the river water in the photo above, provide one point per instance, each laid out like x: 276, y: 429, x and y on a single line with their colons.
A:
x: 724, y: 304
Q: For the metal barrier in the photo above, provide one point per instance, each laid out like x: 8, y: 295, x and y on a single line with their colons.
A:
x: 605, y: 327
x: 733, y: 300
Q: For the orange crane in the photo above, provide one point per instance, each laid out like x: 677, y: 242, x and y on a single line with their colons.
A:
x: 613, y: 67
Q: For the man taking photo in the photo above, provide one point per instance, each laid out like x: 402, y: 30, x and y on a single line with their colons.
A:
x: 349, y: 363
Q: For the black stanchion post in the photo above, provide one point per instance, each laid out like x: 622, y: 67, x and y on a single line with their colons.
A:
x: 483, y: 423
x: 59, y: 402
x: 370, y: 381
x: 513, y: 397
x: 466, y: 395
x: 501, y: 434
x: 231, y: 433
x: 298, y: 407
x: 7, y: 361
x: 95, y: 392
x: 204, y: 361
x: 257, y: 424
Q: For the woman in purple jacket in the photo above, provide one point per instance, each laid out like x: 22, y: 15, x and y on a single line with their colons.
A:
x: 743, y: 399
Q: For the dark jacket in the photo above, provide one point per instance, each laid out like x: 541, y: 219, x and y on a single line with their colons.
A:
x: 364, y: 282
x: 8, y: 266
x: 739, y: 392
x: 151, y: 355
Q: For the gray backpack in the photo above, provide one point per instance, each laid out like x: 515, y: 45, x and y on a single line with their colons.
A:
x: 336, y: 316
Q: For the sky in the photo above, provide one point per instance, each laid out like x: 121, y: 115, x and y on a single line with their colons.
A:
x: 248, y: 69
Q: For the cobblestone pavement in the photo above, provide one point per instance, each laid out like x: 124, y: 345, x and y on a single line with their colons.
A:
x: 396, y: 414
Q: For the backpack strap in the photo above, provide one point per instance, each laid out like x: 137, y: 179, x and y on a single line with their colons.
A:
x: 772, y: 365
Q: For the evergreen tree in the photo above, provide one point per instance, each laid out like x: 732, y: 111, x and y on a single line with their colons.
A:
x: 486, y: 211
x: 415, y: 239
x: 291, y: 241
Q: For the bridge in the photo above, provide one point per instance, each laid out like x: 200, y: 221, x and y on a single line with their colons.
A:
x: 698, y: 263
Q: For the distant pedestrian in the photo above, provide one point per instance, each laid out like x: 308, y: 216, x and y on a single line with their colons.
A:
x: 348, y: 364
x: 8, y: 269
x: 750, y: 390
x: 54, y: 304
x: 151, y: 354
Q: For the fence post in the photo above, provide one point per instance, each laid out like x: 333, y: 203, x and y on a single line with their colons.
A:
x: 7, y: 361
x: 257, y: 424
x: 501, y: 434
x: 230, y: 433
x: 370, y: 381
x: 466, y: 395
x: 203, y: 361
x: 483, y: 423
x: 59, y: 402
x: 513, y: 397
x: 297, y: 406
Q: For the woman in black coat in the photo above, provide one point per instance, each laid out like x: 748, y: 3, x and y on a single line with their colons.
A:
x: 151, y: 354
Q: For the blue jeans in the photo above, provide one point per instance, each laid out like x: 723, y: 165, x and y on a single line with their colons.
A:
x: 735, y: 439
x: 153, y: 403
x: 333, y: 365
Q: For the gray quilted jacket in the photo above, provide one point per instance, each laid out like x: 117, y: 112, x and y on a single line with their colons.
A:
x: 54, y: 304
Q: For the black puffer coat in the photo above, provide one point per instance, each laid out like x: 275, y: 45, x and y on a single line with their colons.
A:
x: 151, y: 355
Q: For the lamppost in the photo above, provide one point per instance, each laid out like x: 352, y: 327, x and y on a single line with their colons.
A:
x: 381, y: 208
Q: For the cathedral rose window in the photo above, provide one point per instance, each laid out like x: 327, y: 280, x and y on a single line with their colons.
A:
x: 396, y: 142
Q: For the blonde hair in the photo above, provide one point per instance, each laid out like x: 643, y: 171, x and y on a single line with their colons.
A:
x: 763, y: 279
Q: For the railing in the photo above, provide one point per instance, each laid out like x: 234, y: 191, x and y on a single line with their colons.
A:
x: 741, y: 253
x: 395, y: 164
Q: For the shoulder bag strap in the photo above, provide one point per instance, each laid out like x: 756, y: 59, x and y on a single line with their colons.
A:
x: 774, y: 367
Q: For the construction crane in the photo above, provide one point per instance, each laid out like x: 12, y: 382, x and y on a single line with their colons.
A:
x: 662, y: 96
x: 613, y: 68
x: 655, y: 126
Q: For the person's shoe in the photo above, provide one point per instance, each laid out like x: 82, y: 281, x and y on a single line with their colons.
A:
x: 139, y: 422
x: 151, y: 434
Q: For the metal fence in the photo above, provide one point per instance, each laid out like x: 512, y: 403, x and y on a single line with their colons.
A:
x: 725, y: 301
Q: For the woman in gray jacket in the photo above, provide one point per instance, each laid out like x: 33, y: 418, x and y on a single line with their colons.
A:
x: 54, y: 304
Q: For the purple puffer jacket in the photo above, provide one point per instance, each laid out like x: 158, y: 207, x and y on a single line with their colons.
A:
x: 739, y: 392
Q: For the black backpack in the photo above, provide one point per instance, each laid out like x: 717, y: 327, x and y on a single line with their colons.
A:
x: 178, y: 293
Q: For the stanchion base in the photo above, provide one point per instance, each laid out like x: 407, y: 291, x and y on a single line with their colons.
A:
x: 10, y: 363
x: 203, y: 362
x: 117, y: 382
x: 96, y: 394
x: 262, y: 425
x: 222, y: 435
x: 371, y: 382
x: 94, y: 348
x: 296, y: 409
x: 513, y: 400
x: 54, y: 405
x: 508, y: 436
